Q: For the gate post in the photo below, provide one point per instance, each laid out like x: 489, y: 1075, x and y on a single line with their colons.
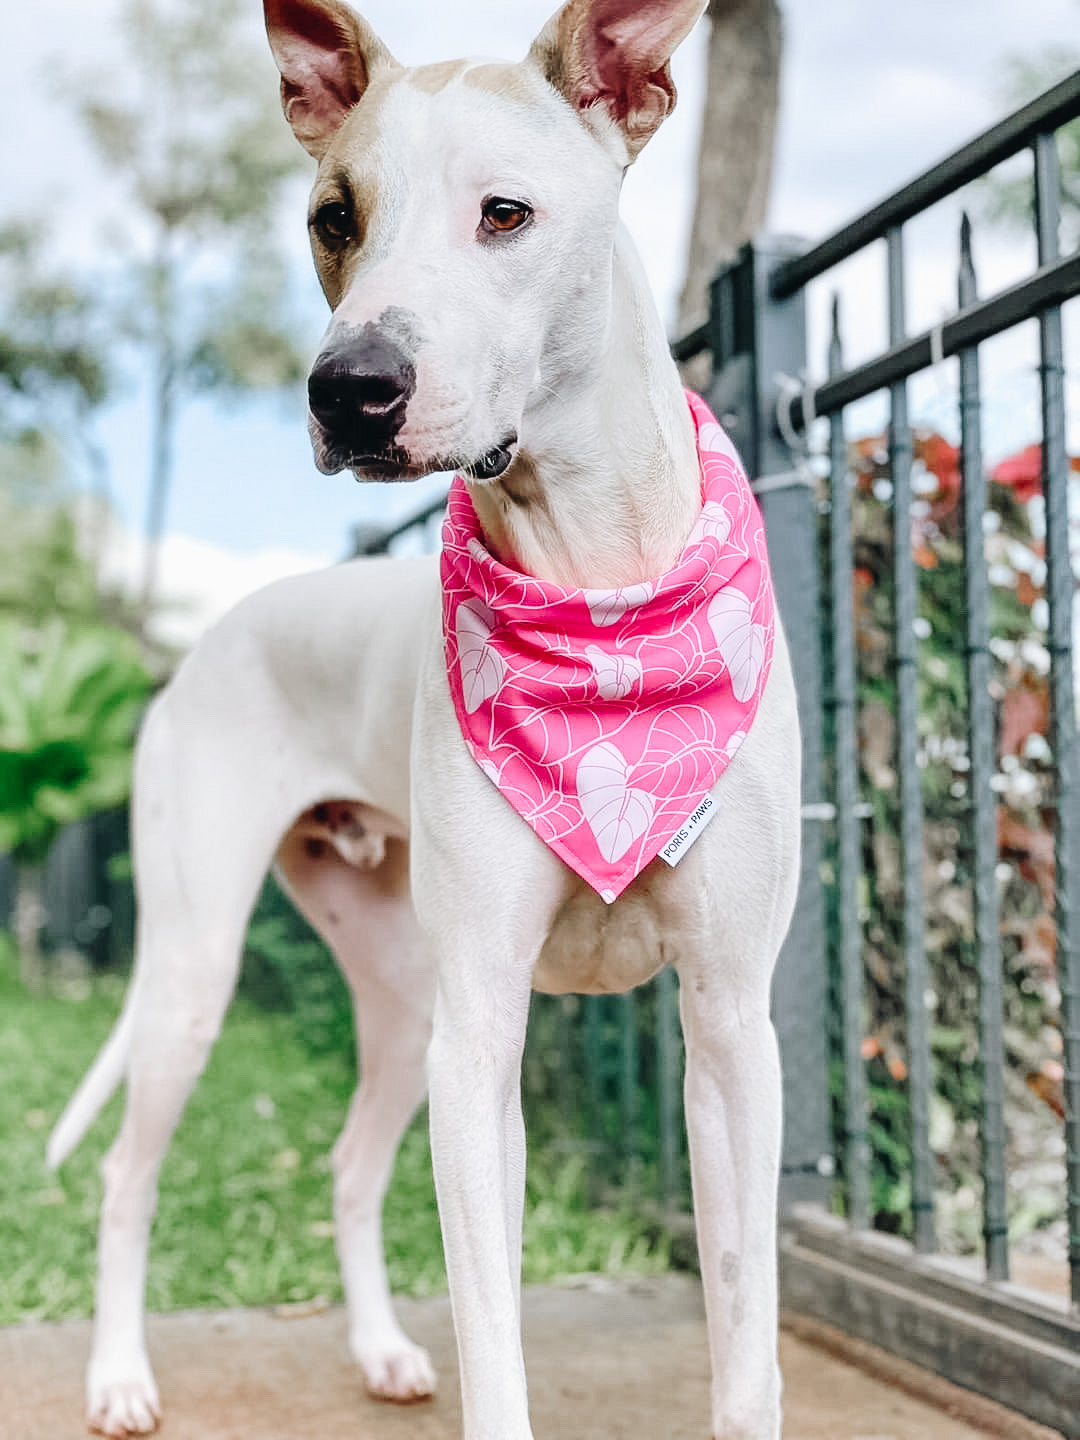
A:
x: 755, y: 340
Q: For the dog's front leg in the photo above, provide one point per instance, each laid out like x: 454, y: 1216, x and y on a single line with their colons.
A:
x: 485, y: 890
x: 733, y: 1101
x: 478, y: 1152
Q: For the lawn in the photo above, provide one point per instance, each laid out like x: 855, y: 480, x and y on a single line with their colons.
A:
x: 245, y: 1211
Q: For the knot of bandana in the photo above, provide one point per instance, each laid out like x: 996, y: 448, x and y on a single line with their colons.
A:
x: 605, y: 717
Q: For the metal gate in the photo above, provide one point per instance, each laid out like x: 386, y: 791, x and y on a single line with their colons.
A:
x: 958, y: 1315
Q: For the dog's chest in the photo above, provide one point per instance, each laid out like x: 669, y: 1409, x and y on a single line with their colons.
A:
x: 594, y: 948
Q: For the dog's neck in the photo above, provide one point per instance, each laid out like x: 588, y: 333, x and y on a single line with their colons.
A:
x: 605, y: 487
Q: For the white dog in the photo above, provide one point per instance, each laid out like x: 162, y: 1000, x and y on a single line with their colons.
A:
x: 489, y: 316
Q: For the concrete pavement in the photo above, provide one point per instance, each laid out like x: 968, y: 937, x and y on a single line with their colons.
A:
x: 607, y: 1360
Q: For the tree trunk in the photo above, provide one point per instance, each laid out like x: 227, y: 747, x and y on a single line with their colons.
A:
x: 29, y: 921
x: 736, y: 152
x: 164, y: 422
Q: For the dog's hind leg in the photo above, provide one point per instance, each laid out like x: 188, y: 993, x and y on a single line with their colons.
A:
x: 366, y: 917
x: 202, y: 839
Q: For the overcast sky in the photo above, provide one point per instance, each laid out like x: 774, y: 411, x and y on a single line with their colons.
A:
x: 873, y: 92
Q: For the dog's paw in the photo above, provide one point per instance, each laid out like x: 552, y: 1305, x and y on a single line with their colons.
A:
x: 399, y: 1371
x: 122, y: 1401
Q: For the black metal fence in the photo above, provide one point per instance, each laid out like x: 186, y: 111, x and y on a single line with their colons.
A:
x: 963, y: 1319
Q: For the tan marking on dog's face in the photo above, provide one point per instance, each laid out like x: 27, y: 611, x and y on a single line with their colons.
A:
x: 350, y: 172
x: 512, y: 82
x: 430, y: 79
x: 359, y: 197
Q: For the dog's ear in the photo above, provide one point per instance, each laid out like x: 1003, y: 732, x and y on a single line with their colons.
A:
x: 326, y: 55
x: 613, y: 55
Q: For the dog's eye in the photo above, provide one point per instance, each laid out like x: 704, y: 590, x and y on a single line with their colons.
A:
x: 500, y: 216
x: 333, y: 223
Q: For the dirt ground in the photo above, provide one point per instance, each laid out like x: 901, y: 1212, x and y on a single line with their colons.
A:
x: 607, y: 1361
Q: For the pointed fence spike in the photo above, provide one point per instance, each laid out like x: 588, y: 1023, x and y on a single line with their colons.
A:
x: 967, y: 285
x: 835, y: 344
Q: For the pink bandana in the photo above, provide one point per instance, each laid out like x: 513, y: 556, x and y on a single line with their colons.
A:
x: 606, y: 716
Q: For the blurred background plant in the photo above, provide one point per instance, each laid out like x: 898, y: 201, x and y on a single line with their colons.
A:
x: 190, y: 294
x: 191, y: 291
x: 1008, y: 198
x: 69, y: 699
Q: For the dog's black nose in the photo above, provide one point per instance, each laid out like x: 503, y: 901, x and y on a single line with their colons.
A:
x: 358, y: 391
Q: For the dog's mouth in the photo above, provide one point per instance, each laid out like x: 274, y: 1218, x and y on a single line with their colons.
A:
x: 387, y: 463
x: 395, y: 463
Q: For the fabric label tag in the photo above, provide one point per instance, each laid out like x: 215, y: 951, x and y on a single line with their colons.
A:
x: 688, y: 832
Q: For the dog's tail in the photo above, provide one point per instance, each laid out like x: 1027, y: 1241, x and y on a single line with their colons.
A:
x: 96, y: 1089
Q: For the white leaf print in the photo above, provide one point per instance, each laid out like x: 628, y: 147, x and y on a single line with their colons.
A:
x: 616, y: 675
x: 609, y: 606
x: 482, y: 667
x: 712, y: 438
x: 490, y: 769
x: 740, y: 641
x: 734, y: 741
x: 616, y: 814
x: 713, y: 520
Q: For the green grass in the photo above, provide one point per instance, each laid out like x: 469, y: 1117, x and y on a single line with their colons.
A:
x: 245, y: 1208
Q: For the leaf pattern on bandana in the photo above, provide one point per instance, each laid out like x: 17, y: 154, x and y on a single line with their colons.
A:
x: 482, y: 668
x: 617, y: 814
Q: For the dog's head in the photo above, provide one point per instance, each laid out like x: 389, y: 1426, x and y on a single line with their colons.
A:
x: 462, y: 222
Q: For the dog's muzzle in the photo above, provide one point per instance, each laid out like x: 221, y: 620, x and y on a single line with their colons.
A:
x: 358, y: 393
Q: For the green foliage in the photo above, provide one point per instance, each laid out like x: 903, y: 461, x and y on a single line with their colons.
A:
x: 245, y: 1209
x: 191, y: 121
x: 187, y: 122
x: 287, y: 969
x: 45, y: 571
x: 564, y: 1234
x: 48, y: 338
x: 1010, y: 199
x: 246, y: 1193
x: 593, y: 1087
x: 55, y: 372
x: 190, y: 124
x: 247, y: 348
x: 190, y: 292
x: 890, y: 1145
x: 69, y: 700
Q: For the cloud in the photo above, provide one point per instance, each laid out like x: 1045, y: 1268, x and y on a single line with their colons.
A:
x: 199, y: 580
